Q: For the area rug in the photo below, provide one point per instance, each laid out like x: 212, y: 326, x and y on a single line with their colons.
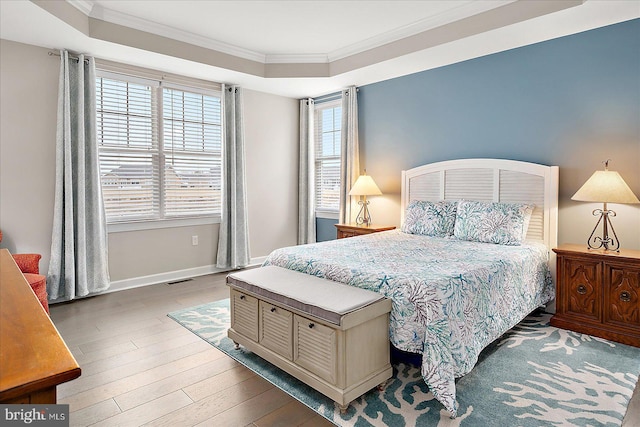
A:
x: 534, y: 375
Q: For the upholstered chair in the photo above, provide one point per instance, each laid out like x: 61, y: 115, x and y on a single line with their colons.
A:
x: 29, y: 264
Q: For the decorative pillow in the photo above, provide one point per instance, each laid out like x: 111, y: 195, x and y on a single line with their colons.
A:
x: 429, y: 218
x: 500, y: 223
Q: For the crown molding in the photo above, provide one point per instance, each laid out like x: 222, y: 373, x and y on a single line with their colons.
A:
x: 118, y: 18
x: 297, y: 59
x: 470, y: 8
x: 469, y: 19
x: 84, y: 6
x: 464, y: 11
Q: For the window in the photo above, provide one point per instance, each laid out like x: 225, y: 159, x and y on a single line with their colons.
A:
x: 160, y: 149
x: 328, y: 123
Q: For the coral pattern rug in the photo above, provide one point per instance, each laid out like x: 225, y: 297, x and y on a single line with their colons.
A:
x: 534, y: 375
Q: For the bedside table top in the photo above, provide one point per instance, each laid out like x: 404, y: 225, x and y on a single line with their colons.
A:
x: 583, y: 250
x: 372, y: 227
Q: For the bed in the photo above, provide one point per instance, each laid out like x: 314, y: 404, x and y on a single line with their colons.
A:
x: 452, y: 292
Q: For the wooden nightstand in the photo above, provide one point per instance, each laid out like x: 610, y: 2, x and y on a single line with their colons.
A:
x: 598, y: 293
x: 350, y: 230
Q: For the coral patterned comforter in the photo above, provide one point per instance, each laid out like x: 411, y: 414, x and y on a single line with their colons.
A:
x: 451, y: 298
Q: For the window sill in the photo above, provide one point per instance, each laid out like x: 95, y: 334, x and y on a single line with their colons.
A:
x: 327, y: 215
x: 121, y: 227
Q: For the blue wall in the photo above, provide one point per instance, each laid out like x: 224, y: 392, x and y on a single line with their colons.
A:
x: 571, y: 102
x: 325, y: 229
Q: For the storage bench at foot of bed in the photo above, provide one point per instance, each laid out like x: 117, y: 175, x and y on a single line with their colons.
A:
x: 331, y: 336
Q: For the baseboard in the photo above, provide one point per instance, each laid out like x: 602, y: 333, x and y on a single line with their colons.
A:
x: 257, y: 261
x: 169, y: 276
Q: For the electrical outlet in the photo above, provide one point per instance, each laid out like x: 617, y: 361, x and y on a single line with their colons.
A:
x: 194, y: 240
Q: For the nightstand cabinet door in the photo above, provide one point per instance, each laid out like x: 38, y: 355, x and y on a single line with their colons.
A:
x: 622, y: 297
x: 582, y: 286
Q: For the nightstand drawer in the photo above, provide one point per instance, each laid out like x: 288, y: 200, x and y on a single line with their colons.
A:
x: 345, y: 234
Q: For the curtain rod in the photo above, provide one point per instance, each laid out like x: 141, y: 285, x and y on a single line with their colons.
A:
x: 71, y: 56
x: 329, y: 97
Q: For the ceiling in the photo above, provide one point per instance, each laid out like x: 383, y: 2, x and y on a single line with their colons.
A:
x: 299, y: 48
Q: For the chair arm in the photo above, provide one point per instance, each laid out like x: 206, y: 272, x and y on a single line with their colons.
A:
x: 28, y: 263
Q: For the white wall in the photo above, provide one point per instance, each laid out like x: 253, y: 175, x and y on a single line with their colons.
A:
x: 271, y: 126
x: 29, y: 84
x: 28, y: 104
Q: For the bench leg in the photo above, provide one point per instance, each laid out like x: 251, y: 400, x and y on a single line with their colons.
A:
x: 236, y: 346
x: 343, y: 408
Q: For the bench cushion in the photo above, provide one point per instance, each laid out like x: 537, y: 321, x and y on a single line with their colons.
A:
x: 321, y: 298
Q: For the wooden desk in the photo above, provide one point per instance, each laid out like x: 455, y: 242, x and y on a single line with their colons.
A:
x: 33, y: 357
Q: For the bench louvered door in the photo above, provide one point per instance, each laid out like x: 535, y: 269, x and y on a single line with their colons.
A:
x: 315, y: 348
x: 276, y: 329
x: 244, y: 315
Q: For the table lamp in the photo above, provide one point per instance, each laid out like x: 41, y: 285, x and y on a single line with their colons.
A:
x: 607, y: 187
x: 364, y: 186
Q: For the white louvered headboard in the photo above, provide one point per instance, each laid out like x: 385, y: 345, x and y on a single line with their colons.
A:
x: 491, y: 180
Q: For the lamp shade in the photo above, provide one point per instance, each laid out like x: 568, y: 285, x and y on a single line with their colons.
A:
x: 365, y: 186
x: 605, y: 186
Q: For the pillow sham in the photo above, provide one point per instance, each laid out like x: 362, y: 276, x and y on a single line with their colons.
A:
x: 430, y: 218
x: 500, y: 223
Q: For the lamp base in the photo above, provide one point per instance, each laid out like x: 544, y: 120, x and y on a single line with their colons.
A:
x: 363, y: 218
x: 606, y: 242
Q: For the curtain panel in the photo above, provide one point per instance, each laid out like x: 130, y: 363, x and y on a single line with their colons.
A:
x: 79, y: 264
x: 350, y: 154
x: 233, y: 239
x: 306, y: 175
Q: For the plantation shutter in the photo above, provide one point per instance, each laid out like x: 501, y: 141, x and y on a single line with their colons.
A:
x: 328, y: 122
x: 128, y: 148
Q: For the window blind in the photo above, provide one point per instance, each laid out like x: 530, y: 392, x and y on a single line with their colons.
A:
x: 159, y: 149
x: 328, y: 122
x: 193, y: 153
x: 128, y: 148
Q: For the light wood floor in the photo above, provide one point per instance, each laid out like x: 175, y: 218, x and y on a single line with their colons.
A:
x: 140, y: 367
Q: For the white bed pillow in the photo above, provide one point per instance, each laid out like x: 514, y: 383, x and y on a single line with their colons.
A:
x: 430, y: 218
x: 500, y: 223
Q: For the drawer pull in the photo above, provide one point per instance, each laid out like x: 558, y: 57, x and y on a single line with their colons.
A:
x: 273, y: 309
x: 582, y: 289
x: 242, y: 297
x: 625, y: 296
x: 311, y: 325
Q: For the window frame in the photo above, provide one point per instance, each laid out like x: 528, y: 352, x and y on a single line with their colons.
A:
x: 323, y: 212
x: 161, y: 220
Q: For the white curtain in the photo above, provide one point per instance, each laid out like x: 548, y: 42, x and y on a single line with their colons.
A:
x: 79, y: 264
x: 306, y: 178
x: 233, y: 241
x: 350, y: 156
